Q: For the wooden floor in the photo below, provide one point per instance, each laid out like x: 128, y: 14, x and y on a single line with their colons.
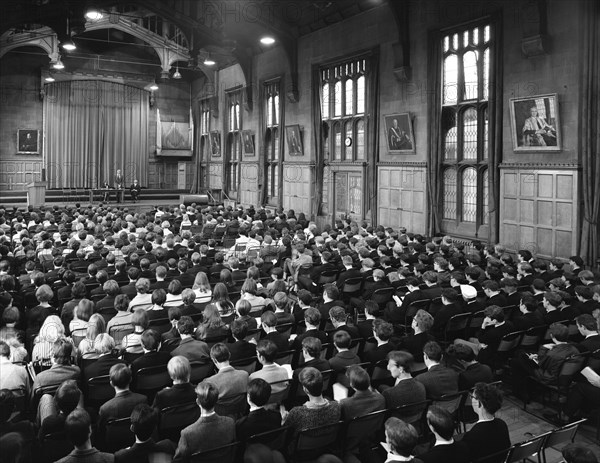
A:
x: 523, y: 425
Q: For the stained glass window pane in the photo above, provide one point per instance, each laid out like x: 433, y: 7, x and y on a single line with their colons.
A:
x: 469, y: 194
x: 276, y: 120
x: 275, y: 180
x: 449, y: 193
x: 349, y: 103
x: 337, y: 95
x: 270, y: 179
x: 455, y: 41
x: 360, y: 95
x: 450, y: 144
x: 486, y: 34
x: 325, y: 107
x: 237, y: 116
x: 360, y: 140
x: 486, y: 73
x: 470, y: 134
x: 348, y: 149
x: 476, y: 36
x: 450, y: 79
x: 337, y: 142
x: 486, y: 196
x: 470, y: 75
x: 465, y: 38
x: 446, y: 43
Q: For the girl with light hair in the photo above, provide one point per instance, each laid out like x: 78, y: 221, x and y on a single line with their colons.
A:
x: 96, y: 326
x: 202, y: 288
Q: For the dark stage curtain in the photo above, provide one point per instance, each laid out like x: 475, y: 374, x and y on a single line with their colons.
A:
x: 434, y: 133
x: 589, y: 134
x: 372, y: 122
x: 94, y: 128
x: 319, y: 142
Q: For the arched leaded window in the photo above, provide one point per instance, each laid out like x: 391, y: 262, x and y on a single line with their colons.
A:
x: 464, y: 119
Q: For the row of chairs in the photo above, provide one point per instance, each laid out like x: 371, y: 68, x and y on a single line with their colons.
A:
x: 364, y: 431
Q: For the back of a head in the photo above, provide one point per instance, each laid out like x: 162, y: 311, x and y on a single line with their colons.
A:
x: 120, y: 375
x: 402, y: 437
x: 359, y: 378
x: 312, y: 381
x: 433, y: 351
x: 220, y: 353
x: 441, y: 421
x: 144, y: 420
x: 78, y: 427
x: 207, y: 395
x: 489, y: 396
x: 259, y: 391
x: 67, y: 396
x: 268, y: 349
x: 179, y: 368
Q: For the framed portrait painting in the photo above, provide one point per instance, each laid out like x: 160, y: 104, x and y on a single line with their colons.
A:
x: 215, y: 143
x: 399, y: 133
x: 294, y: 140
x: 535, y: 124
x: 28, y: 141
x: 248, y: 141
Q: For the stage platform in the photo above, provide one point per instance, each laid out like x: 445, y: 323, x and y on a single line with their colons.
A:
x: 63, y: 198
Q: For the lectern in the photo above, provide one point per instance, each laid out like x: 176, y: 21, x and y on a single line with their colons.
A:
x: 36, y: 193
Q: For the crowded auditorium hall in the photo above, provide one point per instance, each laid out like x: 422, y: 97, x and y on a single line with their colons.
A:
x: 259, y: 231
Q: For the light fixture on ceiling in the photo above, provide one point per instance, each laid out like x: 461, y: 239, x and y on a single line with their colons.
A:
x: 49, y: 79
x: 153, y: 86
x: 93, y: 14
x: 68, y: 44
x: 267, y: 40
x: 59, y: 64
x: 208, y: 61
x: 177, y: 74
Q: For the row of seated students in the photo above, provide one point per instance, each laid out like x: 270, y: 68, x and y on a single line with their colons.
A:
x: 325, y: 254
x: 233, y: 405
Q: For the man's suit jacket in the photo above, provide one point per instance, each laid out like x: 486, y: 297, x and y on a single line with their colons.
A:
x: 365, y: 328
x: 438, y: 381
x: 240, y: 350
x: 351, y: 330
x: 279, y: 339
x: 361, y: 403
x: 119, y: 406
x: 405, y: 392
x: 414, y: 344
x: 528, y: 320
x: 346, y: 275
x: 257, y: 421
x: 150, y: 359
x: 193, y: 350
x: 229, y: 382
x: 498, y: 299
x: 319, y: 364
x: 589, y: 344
x: 139, y: 452
x: 100, y: 367
x: 431, y: 292
x: 324, y: 308
x: 175, y: 395
x: 320, y: 335
x: 205, y: 434
x: 378, y: 353
x: 186, y: 279
x: 343, y: 359
x: 474, y: 373
x: 106, y: 302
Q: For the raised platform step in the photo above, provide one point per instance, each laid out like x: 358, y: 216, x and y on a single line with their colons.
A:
x: 74, y: 195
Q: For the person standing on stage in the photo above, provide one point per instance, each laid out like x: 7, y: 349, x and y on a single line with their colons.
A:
x: 135, y: 190
x: 119, y: 184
